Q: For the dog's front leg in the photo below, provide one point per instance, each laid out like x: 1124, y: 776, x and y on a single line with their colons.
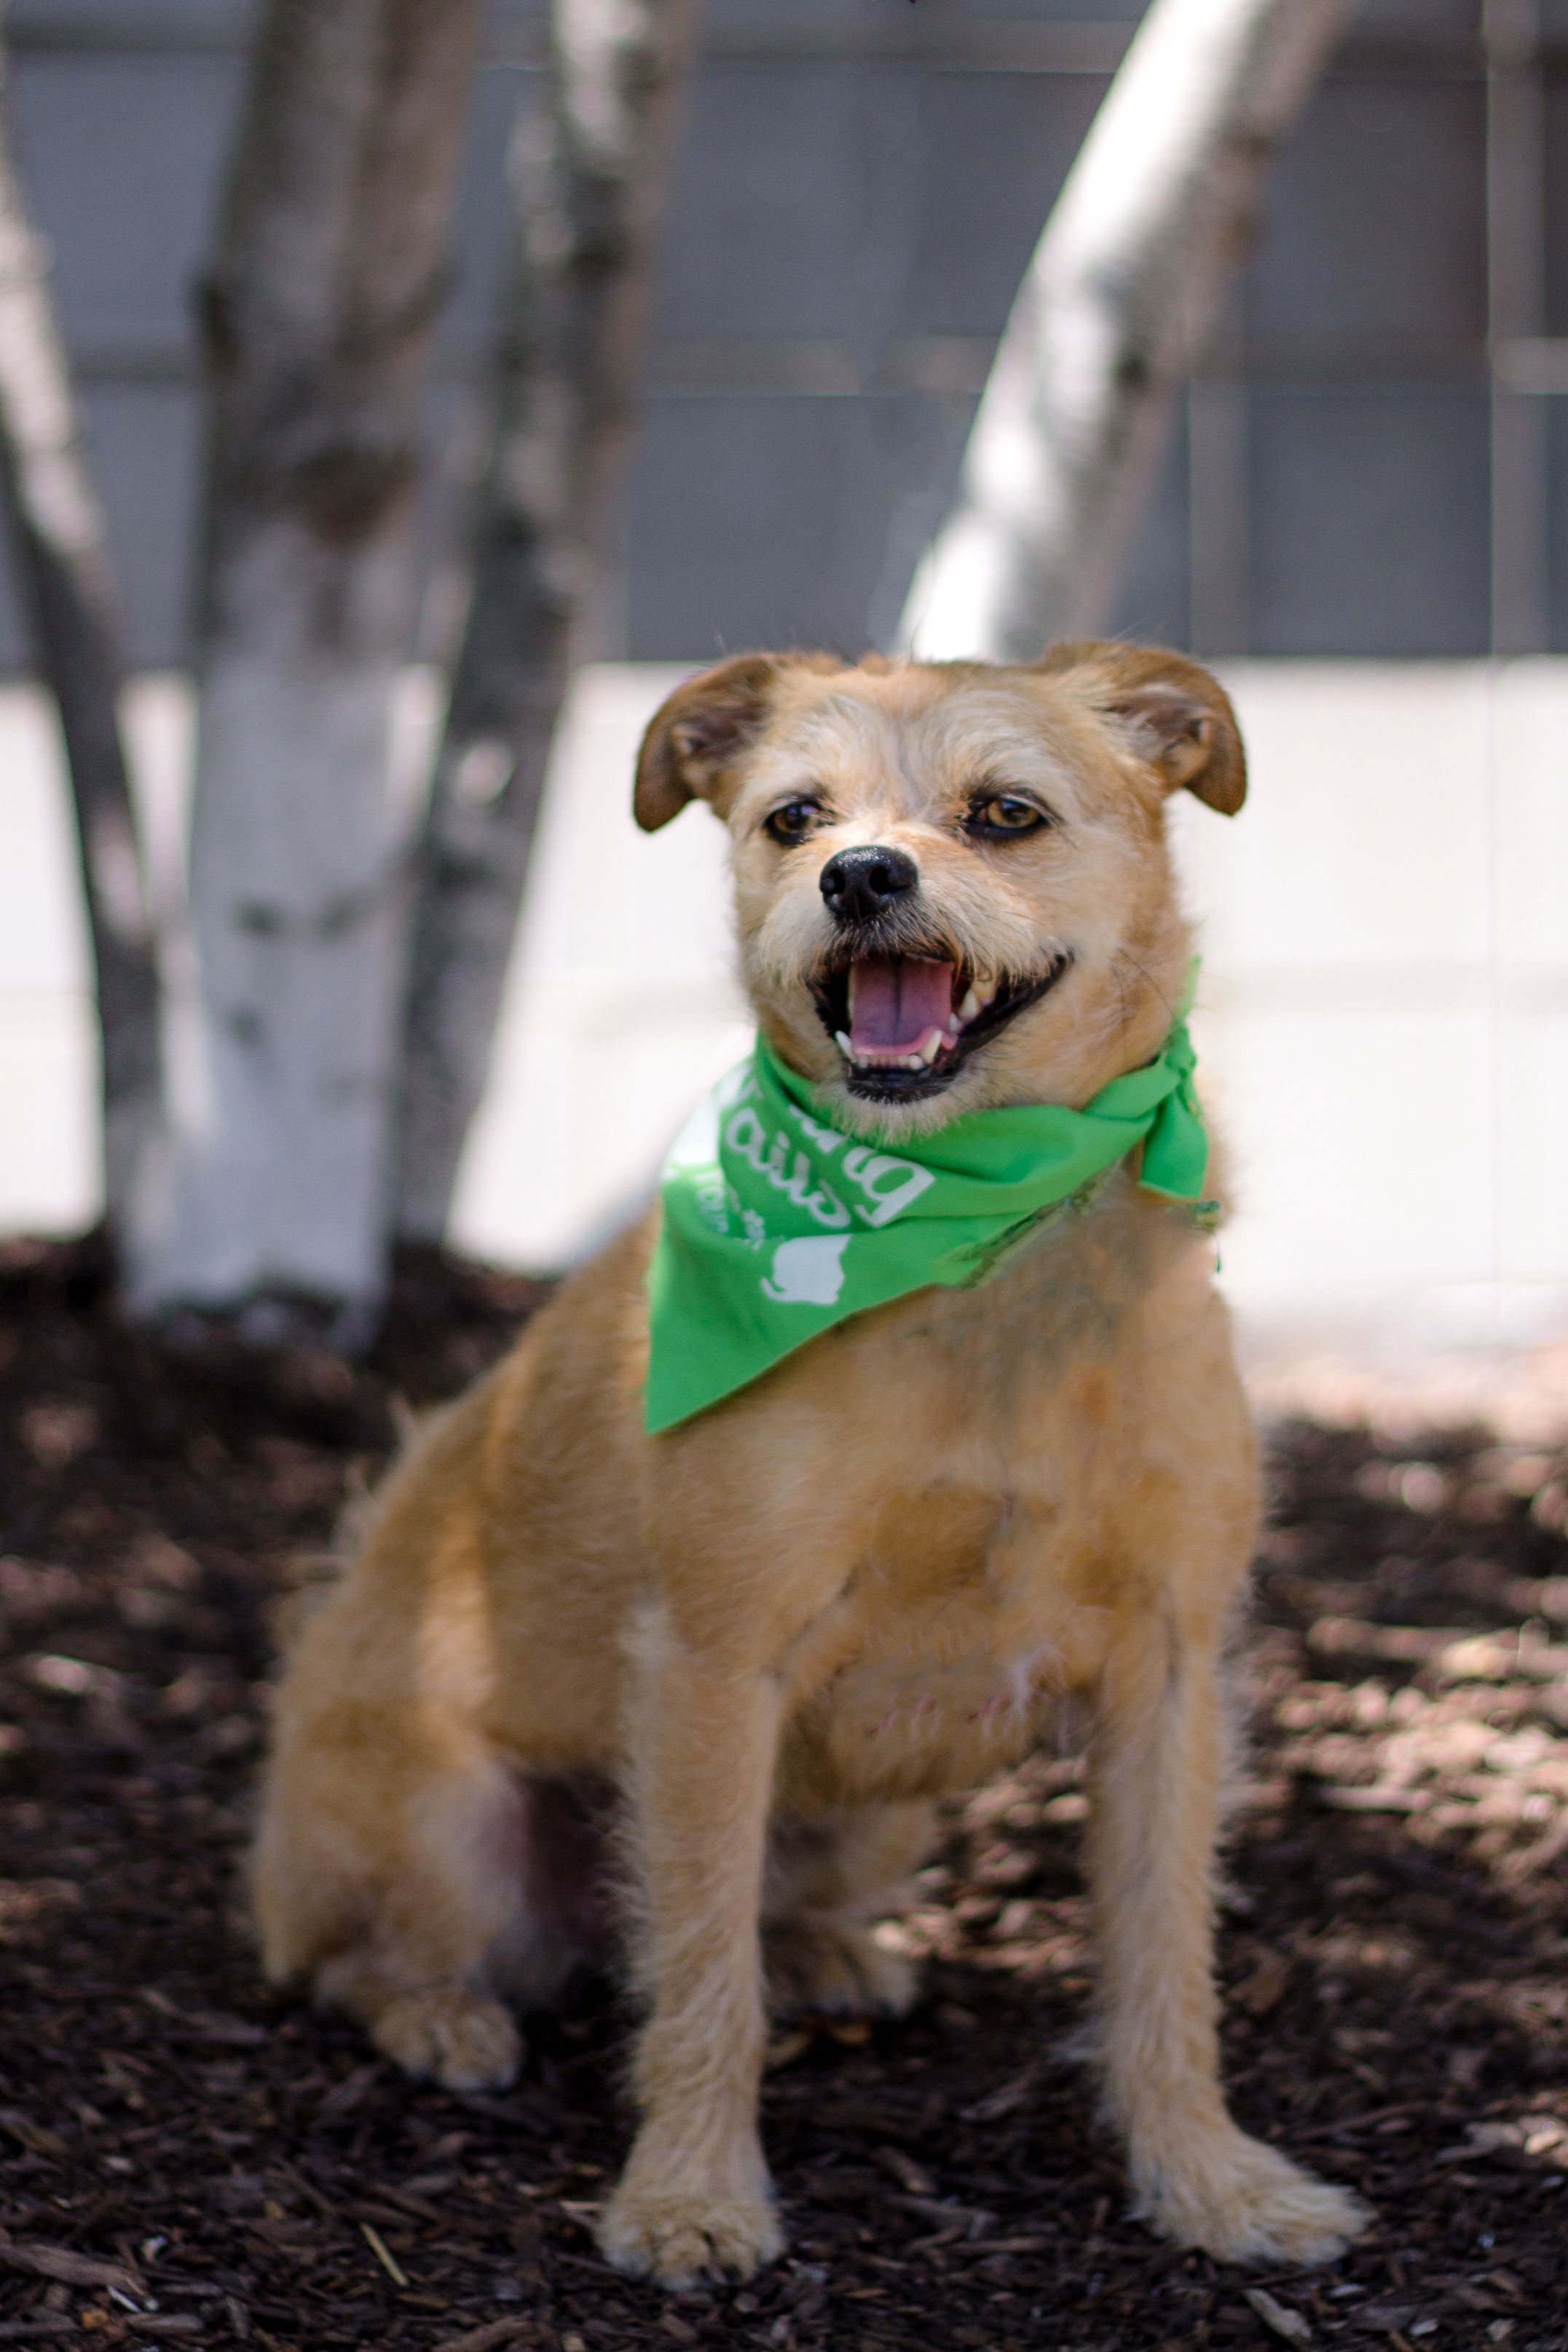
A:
x: 695, y: 2197
x: 1154, y: 1772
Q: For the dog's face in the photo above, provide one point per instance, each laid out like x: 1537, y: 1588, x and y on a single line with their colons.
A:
x: 952, y: 885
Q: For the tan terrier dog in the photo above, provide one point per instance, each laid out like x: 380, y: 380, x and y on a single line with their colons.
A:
x: 868, y: 1577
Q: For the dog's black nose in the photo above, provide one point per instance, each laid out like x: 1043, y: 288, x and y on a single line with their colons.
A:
x: 859, y: 883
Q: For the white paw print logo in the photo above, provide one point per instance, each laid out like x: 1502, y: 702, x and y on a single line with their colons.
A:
x: 807, y: 1272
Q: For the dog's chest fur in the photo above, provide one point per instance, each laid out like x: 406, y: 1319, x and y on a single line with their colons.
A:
x: 1003, y: 1451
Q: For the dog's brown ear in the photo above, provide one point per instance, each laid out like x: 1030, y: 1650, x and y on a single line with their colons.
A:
x: 1185, y: 726
x: 694, y: 739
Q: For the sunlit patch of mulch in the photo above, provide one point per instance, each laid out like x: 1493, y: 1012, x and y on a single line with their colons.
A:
x: 186, y: 2157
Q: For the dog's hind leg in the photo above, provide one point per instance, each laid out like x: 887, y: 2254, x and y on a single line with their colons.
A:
x: 830, y: 1878
x: 394, y: 1893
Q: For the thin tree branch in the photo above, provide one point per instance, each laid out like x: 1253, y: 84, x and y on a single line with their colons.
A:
x: 68, y: 588
x: 588, y: 183
x: 1122, y: 287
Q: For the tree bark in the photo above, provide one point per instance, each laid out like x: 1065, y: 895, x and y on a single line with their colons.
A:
x: 318, y: 317
x: 1122, y: 287
x: 589, y: 180
x: 67, y: 585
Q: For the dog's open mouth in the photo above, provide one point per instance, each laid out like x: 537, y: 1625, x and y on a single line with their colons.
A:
x: 906, y: 1024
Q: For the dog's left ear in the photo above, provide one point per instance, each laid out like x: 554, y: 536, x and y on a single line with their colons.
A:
x: 694, y: 739
x: 1182, y: 719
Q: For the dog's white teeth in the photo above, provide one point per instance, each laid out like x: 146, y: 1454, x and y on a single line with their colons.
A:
x: 842, y: 1042
x: 969, y: 1007
x: 932, y: 1047
x: 915, y: 1061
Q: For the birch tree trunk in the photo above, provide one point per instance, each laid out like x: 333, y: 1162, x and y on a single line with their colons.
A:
x: 588, y: 181
x: 66, y: 587
x: 317, y: 315
x: 1123, y: 287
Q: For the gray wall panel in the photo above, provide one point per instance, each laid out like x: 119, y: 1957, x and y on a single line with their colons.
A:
x: 1156, y: 603
x: 1372, y: 522
x: 1373, y: 217
x: 1557, y: 480
x: 1419, y: 15
x: 793, y: 179
x: 120, y: 157
x: 479, y: 230
x: 992, y: 153
x: 146, y: 440
x: 1556, y: 201
x: 1051, y: 12
x: 766, y: 521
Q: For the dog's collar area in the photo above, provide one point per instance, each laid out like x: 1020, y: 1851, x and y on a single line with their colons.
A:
x: 779, y: 1220
x: 905, y: 1025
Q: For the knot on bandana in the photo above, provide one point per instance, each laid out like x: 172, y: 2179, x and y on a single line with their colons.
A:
x: 779, y: 1223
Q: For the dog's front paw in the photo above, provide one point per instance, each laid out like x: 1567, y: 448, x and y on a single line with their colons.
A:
x: 680, y: 2216
x: 834, y: 1967
x: 680, y: 2239
x: 461, y: 2040
x: 1243, y: 2202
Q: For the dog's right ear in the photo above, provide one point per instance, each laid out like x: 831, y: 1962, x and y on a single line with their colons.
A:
x: 694, y: 739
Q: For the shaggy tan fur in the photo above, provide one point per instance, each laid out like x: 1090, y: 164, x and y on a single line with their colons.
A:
x: 780, y: 1631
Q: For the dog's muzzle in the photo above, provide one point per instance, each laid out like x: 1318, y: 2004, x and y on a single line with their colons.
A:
x: 904, y: 1011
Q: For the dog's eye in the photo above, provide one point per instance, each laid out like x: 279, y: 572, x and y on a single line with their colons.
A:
x: 1004, y: 813
x: 793, y: 822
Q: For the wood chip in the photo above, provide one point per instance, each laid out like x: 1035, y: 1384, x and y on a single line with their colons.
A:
x: 906, y: 2172
x: 36, y: 2139
x: 404, y: 2203
x: 1374, y: 1800
x: 386, y: 2215
x: 383, y: 2254
x: 1351, y: 1637
x: 1005, y: 2098
x: 348, y: 2094
x: 309, y: 2191
x: 485, y: 2338
x: 1348, y: 2126
x: 1277, y: 2318
x: 785, y: 2047
x: 205, y: 2025
x: 1385, y: 2318
x: 72, y: 2269
x: 928, y: 2245
x: 973, y: 2219
x: 1264, y: 1988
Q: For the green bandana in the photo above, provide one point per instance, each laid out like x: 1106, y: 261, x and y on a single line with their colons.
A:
x: 778, y: 1223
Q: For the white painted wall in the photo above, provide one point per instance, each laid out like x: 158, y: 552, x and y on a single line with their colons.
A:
x: 1386, y: 998
x: 1383, y: 1016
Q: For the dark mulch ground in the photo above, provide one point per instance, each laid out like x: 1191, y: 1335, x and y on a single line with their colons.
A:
x: 185, y: 2155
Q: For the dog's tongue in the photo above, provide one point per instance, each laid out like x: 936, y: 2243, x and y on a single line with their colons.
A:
x: 894, y: 1004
